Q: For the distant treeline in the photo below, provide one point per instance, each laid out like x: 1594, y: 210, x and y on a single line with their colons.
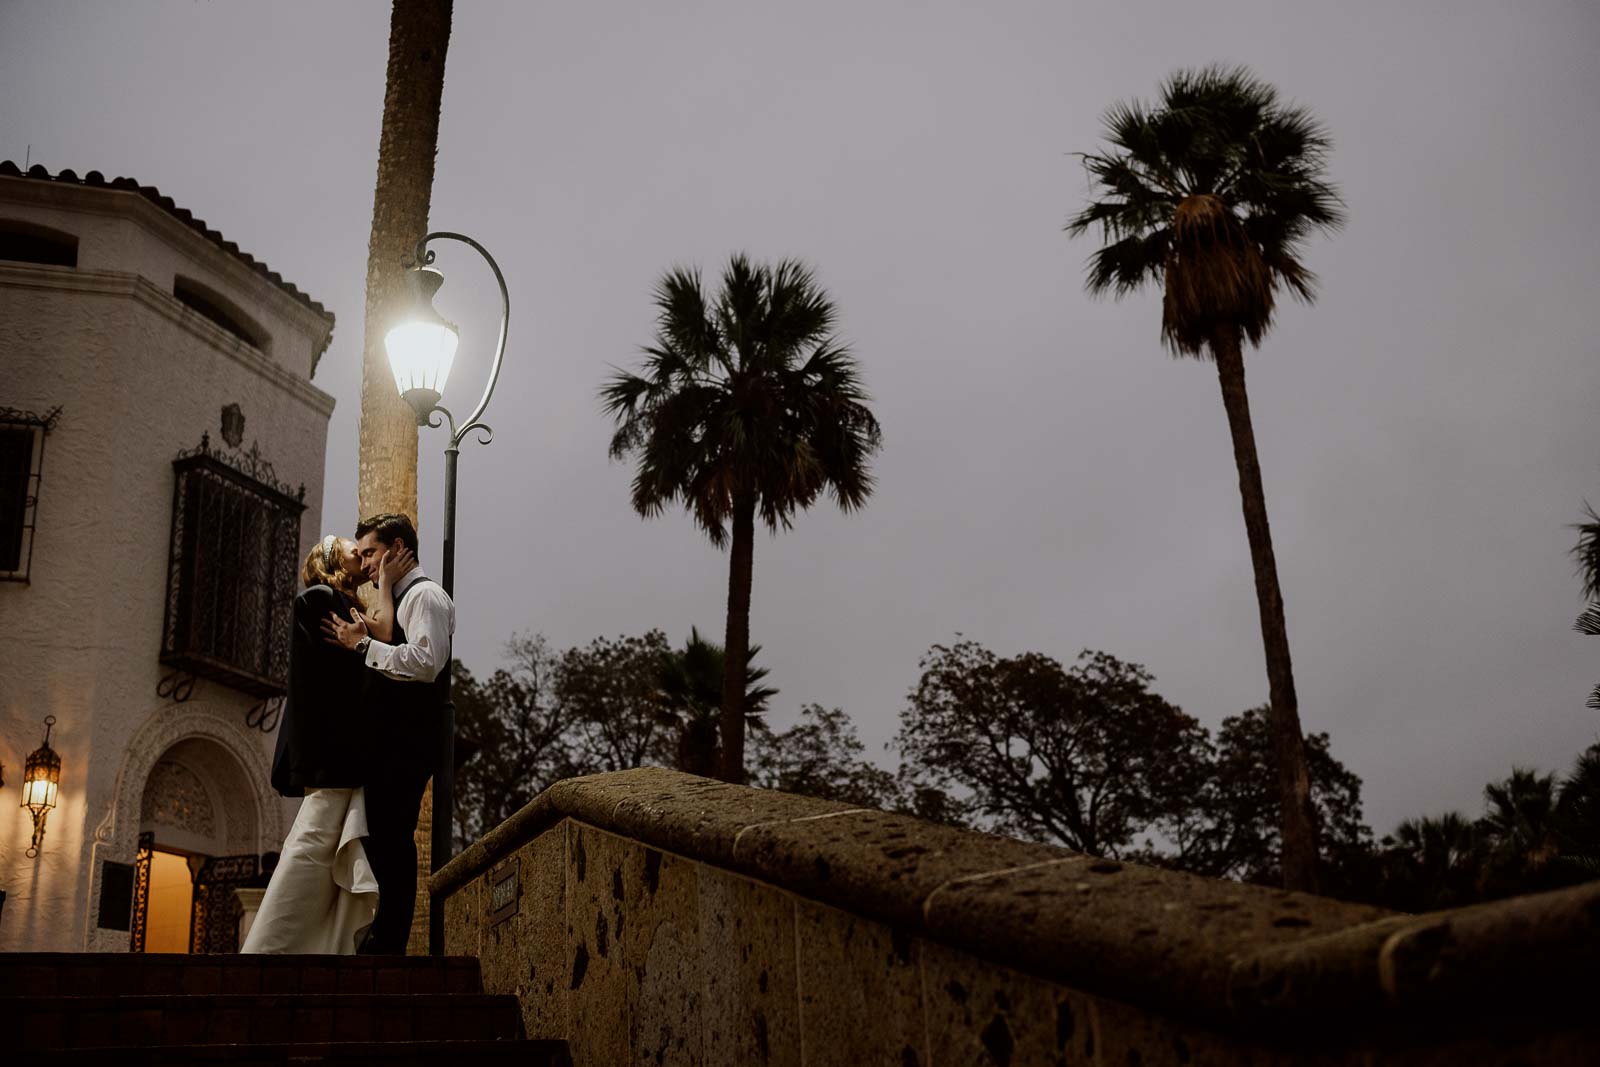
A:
x: 1086, y: 756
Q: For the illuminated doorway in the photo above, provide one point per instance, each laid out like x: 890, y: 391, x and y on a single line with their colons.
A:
x: 171, y: 903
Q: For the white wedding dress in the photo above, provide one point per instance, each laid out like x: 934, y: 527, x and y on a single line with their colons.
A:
x: 322, y: 895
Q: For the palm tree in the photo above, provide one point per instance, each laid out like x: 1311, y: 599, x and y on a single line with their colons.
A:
x: 419, y: 34
x: 1578, y: 815
x: 1587, y: 552
x: 1210, y: 194
x: 747, y: 404
x: 1519, y: 831
x: 1438, y: 860
x: 386, y: 480
x: 691, y: 688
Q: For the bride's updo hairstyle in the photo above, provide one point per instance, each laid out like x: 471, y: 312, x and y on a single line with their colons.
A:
x: 322, y: 567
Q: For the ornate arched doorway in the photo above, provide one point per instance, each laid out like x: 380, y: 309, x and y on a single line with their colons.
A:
x: 198, y: 828
x: 194, y: 814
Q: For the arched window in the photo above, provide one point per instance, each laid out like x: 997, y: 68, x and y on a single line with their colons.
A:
x: 27, y: 242
x: 220, y: 310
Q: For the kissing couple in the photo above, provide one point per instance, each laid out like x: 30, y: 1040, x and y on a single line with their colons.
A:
x: 361, y: 734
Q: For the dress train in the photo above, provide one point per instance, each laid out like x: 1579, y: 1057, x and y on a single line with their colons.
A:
x: 323, y: 894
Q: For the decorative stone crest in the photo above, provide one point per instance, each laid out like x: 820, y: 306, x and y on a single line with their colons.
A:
x: 232, y: 425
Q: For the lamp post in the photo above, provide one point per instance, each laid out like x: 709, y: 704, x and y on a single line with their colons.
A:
x: 41, y: 778
x: 421, y: 351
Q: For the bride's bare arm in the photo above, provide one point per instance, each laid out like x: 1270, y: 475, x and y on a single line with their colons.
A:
x: 380, y: 622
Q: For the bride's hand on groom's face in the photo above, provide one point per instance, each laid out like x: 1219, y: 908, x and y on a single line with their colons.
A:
x: 396, y: 563
x: 335, y: 631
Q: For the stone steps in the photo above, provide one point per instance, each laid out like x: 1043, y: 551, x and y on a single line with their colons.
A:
x: 232, y: 1019
x: 88, y: 973
x: 388, y: 1054
x: 68, y: 1008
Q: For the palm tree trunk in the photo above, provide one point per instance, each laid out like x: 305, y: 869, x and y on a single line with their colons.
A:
x: 1294, y: 780
x: 736, y: 642
x: 419, y: 34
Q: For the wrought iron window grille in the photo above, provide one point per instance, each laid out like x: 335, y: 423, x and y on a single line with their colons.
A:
x: 22, y: 437
x: 232, y: 570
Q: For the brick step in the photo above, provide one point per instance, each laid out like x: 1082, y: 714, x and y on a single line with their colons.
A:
x: 55, y: 1022
x: 88, y: 973
x: 390, y: 1054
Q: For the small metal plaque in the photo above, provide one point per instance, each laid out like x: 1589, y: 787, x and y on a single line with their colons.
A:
x: 505, y: 891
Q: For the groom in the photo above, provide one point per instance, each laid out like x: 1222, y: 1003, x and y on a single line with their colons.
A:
x: 408, y: 691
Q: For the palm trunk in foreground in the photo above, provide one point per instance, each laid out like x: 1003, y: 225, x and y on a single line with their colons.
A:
x: 1294, y: 780
x: 736, y: 642
x: 419, y: 33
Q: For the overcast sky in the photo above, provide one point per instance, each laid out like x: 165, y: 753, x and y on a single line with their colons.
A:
x: 1051, y: 480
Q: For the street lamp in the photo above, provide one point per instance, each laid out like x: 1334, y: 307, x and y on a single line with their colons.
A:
x: 41, y: 778
x: 422, y: 348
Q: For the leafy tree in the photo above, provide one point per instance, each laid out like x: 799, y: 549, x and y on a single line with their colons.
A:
x: 821, y: 756
x: 1231, y: 825
x: 691, y: 685
x: 610, y: 693
x: 1088, y: 757
x: 1211, y: 194
x: 514, y: 737
x: 747, y: 404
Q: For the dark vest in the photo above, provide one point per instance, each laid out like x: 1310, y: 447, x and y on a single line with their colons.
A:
x: 409, y: 716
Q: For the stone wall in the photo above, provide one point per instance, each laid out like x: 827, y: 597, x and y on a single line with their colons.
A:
x: 654, y: 917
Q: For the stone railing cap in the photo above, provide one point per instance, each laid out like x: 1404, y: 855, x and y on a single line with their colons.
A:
x: 1223, y: 952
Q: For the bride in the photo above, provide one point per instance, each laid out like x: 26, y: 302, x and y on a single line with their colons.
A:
x: 323, y: 894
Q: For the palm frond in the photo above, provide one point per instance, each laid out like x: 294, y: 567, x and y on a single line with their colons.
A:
x: 1587, y: 552
x: 1589, y: 621
x: 1218, y: 136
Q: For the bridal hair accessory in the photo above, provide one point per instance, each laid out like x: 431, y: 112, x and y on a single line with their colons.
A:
x: 327, y: 552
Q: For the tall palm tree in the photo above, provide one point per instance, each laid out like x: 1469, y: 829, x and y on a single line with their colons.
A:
x: 747, y: 404
x: 419, y: 34
x: 1210, y: 194
x: 691, y: 687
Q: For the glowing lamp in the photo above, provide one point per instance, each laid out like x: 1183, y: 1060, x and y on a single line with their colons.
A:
x: 422, y: 347
x: 40, y: 780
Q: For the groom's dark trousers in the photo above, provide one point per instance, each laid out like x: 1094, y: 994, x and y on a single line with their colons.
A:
x: 393, y: 801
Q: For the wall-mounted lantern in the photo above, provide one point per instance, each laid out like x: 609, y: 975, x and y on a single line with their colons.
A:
x: 40, y: 780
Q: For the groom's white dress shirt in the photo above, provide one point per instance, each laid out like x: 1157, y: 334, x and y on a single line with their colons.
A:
x: 428, y: 618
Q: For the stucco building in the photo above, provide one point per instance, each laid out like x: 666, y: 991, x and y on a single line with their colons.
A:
x: 161, y: 462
